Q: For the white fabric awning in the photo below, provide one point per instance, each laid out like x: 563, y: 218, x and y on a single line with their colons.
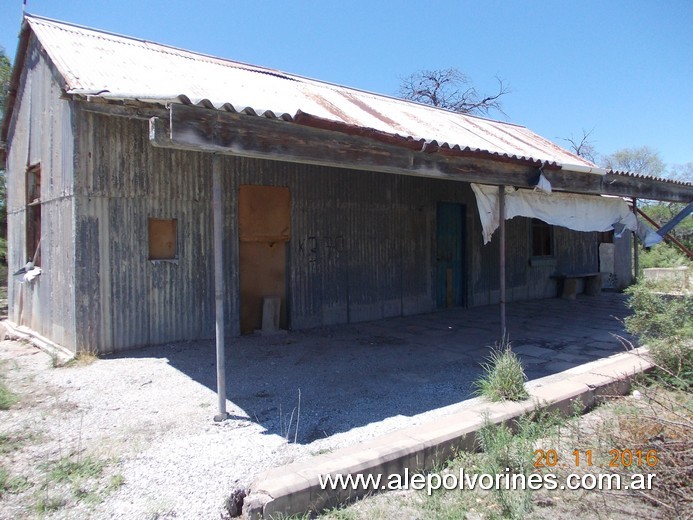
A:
x: 573, y: 211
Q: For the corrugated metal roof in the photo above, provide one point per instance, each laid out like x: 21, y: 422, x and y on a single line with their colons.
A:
x: 118, y: 67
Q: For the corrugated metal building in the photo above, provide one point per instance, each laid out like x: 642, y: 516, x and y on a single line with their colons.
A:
x: 347, y: 205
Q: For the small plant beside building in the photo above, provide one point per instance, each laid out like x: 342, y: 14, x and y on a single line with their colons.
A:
x: 504, y: 376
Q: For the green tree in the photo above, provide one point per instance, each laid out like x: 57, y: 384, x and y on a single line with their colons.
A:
x: 643, y: 161
x: 5, y: 72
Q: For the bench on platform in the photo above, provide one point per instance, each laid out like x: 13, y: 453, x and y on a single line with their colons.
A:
x: 592, y: 283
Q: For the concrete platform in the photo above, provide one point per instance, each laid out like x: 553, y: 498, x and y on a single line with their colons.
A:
x: 392, y: 372
x: 295, y: 488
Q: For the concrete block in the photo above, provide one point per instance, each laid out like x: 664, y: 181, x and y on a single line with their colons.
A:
x: 271, y: 308
x: 254, y: 505
x: 678, y: 275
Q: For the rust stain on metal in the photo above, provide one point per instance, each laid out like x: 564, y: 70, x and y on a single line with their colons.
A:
x: 371, y: 110
x: 98, y: 65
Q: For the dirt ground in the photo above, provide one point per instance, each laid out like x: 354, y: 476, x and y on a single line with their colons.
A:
x: 621, y: 423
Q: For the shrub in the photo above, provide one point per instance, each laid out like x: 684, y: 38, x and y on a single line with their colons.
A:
x: 662, y: 255
x: 664, y: 322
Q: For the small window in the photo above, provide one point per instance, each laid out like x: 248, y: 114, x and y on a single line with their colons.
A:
x: 542, y: 238
x: 33, y: 213
x: 163, y: 239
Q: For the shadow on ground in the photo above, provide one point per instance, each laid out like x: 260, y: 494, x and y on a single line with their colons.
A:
x: 354, y: 375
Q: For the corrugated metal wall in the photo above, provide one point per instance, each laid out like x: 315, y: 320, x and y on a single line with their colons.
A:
x: 362, y: 244
x: 123, y: 182
x: 42, y: 133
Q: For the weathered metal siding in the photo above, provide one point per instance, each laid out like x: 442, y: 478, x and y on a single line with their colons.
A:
x: 574, y: 252
x: 362, y: 244
x: 41, y: 132
x: 349, y: 259
x: 125, y: 299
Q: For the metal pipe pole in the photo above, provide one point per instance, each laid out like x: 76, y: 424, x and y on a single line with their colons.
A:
x: 636, y: 259
x: 501, y: 236
x: 218, y: 235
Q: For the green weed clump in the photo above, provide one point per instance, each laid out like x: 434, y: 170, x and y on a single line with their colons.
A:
x: 67, y: 470
x: 7, y: 397
x: 504, y: 376
x: 664, y: 322
x: 510, y: 450
x: 10, y: 484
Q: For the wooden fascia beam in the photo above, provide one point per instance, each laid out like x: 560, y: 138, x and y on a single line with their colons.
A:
x: 214, y: 131
x: 262, y: 138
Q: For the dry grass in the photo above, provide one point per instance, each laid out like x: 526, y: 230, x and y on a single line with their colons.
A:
x: 83, y: 358
x: 662, y: 420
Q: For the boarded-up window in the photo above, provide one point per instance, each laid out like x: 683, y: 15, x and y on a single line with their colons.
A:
x: 264, y: 214
x: 542, y: 238
x: 163, y: 239
x: 33, y: 213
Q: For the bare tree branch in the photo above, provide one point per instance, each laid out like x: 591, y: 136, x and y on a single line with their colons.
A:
x: 584, y: 147
x: 451, y: 89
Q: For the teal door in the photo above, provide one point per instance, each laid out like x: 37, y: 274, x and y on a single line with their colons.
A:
x: 450, y: 234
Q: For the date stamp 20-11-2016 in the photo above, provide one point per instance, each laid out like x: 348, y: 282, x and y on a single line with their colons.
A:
x: 618, y: 458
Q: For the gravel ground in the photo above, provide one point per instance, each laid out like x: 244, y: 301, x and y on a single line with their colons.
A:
x: 153, y: 425
x: 147, y: 414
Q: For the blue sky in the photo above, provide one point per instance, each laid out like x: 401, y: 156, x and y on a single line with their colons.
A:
x: 623, y: 69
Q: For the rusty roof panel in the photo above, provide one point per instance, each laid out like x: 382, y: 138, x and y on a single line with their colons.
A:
x: 111, y: 66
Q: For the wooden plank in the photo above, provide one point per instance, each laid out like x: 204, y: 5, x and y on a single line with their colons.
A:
x: 206, y: 130
x: 121, y: 110
x: 262, y: 267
